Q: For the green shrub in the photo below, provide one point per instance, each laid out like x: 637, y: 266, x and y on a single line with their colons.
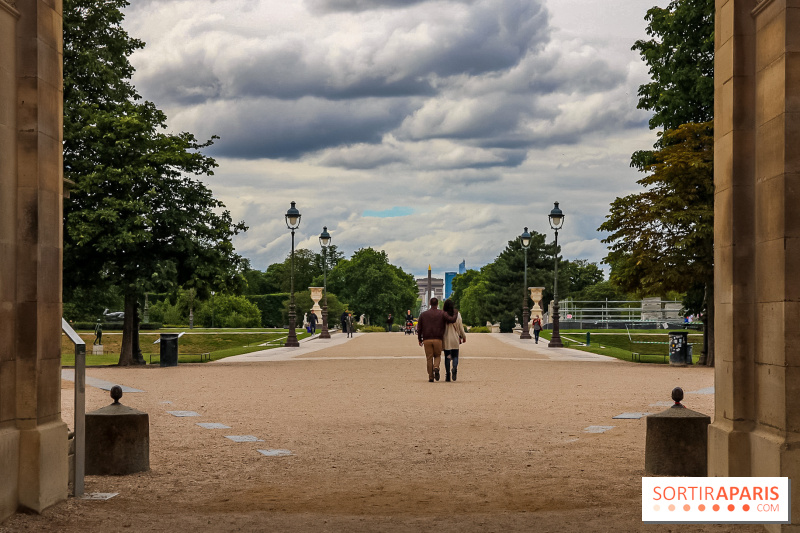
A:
x: 371, y: 329
x: 228, y: 311
x: 480, y: 329
x: 395, y: 327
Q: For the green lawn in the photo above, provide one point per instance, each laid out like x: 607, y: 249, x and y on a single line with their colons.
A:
x: 651, y: 345
x: 219, y: 343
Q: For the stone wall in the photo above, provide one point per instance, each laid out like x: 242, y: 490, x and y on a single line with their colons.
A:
x: 756, y: 428
x: 33, y: 438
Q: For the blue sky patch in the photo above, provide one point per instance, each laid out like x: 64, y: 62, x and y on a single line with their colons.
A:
x: 396, y: 211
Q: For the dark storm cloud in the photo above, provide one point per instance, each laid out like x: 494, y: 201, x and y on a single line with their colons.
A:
x: 286, y: 130
x: 492, y: 37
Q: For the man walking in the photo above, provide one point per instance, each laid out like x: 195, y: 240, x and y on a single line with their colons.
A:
x: 312, y: 321
x: 430, y: 332
x: 389, y: 322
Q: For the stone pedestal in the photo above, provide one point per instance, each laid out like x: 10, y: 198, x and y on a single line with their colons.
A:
x: 97, y: 349
x: 316, y: 296
x: 117, y: 441
x: 677, y: 442
x: 756, y: 428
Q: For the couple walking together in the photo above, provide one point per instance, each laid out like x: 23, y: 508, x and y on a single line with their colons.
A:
x: 439, y: 330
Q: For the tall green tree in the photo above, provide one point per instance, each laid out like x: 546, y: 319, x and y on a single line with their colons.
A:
x: 680, y: 58
x: 136, y: 218
x: 505, y: 278
x: 372, y: 286
x: 662, y: 239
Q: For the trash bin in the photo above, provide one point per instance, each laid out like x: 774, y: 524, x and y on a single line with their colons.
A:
x: 169, y: 349
x: 678, y: 343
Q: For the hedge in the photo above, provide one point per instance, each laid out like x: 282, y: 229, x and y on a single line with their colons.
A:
x: 113, y: 325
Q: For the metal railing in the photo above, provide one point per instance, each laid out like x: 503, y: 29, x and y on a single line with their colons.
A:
x: 620, y: 310
x: 80, y: 407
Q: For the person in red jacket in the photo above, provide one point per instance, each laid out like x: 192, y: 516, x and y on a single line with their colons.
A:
x: 430, y: 332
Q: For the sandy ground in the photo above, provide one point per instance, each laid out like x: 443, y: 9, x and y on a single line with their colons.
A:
x: 378, y: 448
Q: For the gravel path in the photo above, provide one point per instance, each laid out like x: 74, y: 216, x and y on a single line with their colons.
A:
x: 375, y: 447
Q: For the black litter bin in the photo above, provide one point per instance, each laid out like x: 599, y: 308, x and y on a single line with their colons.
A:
x: 678, y: 347
x: 169, y: 349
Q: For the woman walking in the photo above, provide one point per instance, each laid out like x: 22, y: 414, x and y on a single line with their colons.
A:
x: 537, y: 328
x: 454, y: 336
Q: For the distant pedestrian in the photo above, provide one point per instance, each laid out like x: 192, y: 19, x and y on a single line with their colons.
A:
x: 537, y: 328
x: 454, y: 337
x: 409, y: 316
x: 312, y: 322
x: 350, y: 325
x: 389, y: 322
x: 344, y: 321
x: 430, y: 332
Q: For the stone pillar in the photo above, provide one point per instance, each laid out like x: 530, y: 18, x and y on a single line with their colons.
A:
x: 33, y: 438
x: 756, y: 429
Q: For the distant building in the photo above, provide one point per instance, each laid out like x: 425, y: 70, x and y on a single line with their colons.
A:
x: 462, y: 267
x: 448, y: 283
x: 437, y: 285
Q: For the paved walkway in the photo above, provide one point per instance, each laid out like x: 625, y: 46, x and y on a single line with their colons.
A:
x: 397, y: 345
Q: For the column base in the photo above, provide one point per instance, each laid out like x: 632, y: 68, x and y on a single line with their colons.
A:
x: 9, y: 466
x: 43, y: 466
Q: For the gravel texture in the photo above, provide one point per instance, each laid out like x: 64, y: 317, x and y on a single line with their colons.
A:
x: 375, y: 447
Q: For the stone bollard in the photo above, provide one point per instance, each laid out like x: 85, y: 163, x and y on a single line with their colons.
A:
x: 677, y: 441
x: 117, y: 439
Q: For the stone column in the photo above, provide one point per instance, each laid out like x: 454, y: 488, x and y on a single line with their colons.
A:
x: 33, y: 438
x: 756, y: 429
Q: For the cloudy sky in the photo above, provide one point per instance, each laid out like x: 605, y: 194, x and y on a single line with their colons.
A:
x: 432, y: 129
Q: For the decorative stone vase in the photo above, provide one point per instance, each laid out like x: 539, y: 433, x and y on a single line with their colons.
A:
x: 316, y: 296
x: 536, y: 297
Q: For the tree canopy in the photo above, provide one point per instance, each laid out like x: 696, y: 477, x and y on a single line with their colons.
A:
x: 372, y: 286
x: 680, y: 57
x: 136, y: 217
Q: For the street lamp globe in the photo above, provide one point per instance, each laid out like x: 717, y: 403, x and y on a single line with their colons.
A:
x: 525, y: 239
x: 556, y: 217
x: 293, y: 217
x: 324, y: 237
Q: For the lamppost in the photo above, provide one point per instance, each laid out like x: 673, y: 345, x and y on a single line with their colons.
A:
x: 525, y: 240
x: 324, y: 241
x: 292, y: 222
x: 212, y: 309
x: 556, y: 222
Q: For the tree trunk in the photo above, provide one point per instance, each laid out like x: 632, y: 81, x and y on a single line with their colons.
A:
x: 707, y: 358
x: 126, y: 350
x: 129, y: 353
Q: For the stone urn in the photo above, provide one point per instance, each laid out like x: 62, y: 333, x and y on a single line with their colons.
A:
x: 536, y: 297
x: 316, y: 296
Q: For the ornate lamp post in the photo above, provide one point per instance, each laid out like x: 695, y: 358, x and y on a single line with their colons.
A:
x: 212, y: 309
x: 324, y: 241
x: 525, y: 240
x: 292, y: 222
x: 556, y: 222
